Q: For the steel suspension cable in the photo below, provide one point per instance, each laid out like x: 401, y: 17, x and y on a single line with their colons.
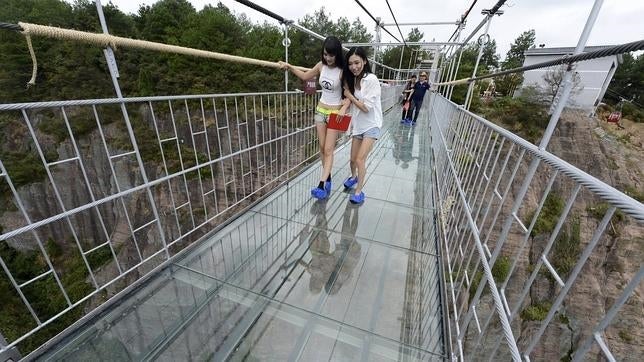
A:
x: 463, y: 17
x: 625, y: 98
x: 376, y: 20
x: 8, y: 26
x: 492, y: 11
x: 396, y: 21
x: 614, y: 50
x: 264, y: 11
x: 468, y: 10
x: 293, y: 24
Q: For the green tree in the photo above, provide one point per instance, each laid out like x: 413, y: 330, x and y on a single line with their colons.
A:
x: 391, y: 55
x: 468, y: 60
x: 164, y: 20
x: 514, y: 58
x: 489, y: 58
x: 628, y: 81
x: 306, y: 50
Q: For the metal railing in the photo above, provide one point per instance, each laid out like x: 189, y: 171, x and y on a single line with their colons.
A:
x: 526, y: 240
x: 131, y: 184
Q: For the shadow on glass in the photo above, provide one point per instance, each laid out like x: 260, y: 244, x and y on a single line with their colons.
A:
x: 332, y: 262
x: 403, y: 145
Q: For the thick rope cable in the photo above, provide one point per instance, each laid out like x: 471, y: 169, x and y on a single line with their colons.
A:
x: 34, y: 68
x: 105, y: 40
x: 614, y: 50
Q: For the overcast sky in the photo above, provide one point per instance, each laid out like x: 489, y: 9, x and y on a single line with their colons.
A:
x: 556, y: 22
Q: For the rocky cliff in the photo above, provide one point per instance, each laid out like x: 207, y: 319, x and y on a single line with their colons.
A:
x: 615, y: 157
x: 188, y: 204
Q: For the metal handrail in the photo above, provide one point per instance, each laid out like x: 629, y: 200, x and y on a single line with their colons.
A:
x: 473, y: 158
x: 256, y: 159
x: 228, y: 122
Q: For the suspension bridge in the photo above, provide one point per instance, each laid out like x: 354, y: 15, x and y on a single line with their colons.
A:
x: 200, y: 240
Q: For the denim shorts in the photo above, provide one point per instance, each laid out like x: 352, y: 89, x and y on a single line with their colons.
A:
x: 370, y: 133
x: 322, y: 114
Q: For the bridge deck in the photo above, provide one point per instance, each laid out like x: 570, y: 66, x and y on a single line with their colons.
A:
x: 298, y: 279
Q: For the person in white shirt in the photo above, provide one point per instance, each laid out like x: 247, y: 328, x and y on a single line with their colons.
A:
x: 362, y: 89
x: 329, y: 71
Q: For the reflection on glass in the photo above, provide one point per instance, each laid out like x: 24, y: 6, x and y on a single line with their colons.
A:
x: 331, y: 265
x: 403, y: 145
x: 349, y: 247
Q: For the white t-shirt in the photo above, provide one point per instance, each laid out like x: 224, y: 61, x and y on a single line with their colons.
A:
x: 369, y: 93
x: 331, y: 85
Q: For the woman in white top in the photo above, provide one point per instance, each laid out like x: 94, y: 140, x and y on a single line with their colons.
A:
x: 362, y: 89
x: 329, y: 71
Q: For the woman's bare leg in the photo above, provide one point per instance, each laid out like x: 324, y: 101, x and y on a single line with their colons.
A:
x: 321, y: 129
x: 327, y: 151
x: 355, y: 147
x: 361, y: 161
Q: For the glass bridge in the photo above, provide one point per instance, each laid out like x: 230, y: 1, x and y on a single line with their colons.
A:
x: 190, y: 221
x: 293, y: 278
x: 182, y: 228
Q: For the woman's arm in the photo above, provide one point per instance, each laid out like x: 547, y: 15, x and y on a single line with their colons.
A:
x: 313, y: 72
x: 356, y: 101
x: 346, y: 103
x: 370, y: 94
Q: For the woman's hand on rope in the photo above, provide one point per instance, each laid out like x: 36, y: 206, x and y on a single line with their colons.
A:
x: 284, y: 65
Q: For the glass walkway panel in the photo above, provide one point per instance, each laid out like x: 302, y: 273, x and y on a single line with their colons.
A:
x: 294, y: 278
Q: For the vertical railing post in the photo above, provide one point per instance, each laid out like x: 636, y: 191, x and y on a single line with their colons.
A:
x: 443, y: 73
x: 454, y: 66
x: 286, y: 42
x: 482, y: 41
x: 402, y: 53
x: 411, y: 55
x: 567, y: 78
x: 454, y: 73
x: 111, y: 61
x: 377, y: 47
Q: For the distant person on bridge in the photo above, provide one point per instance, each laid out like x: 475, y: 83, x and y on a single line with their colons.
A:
x: 362, y: 89
x: 417, y: 96
x: 406, y: 101
x: 329, y: 71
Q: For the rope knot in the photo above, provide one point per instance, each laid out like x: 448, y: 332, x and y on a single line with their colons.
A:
x: 34, y: 69
x: 111, y: 42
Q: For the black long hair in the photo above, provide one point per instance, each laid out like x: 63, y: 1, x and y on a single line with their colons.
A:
x: 347, y: 77
x: 333, y: 46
